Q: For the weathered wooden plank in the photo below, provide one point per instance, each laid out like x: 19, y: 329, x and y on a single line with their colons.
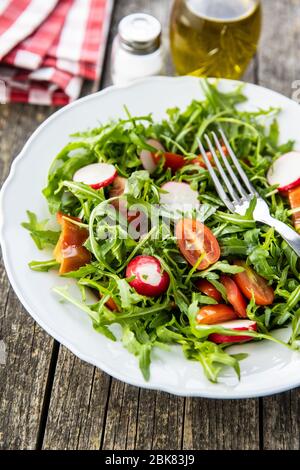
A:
x: 279, y: 66
x: 121, y: 419
x: 17, y: 122
x: 279, y: 52
x: 162, y: 415
x: 159, y: 426
x: 24, y: 377
x: 281, y: 421
x: 142, y: 419
x: 154, y: 420
x: 217, y: 424
x: 159, y: 416
x: 161, y: 421
x: 23, y: 383
x: 77, y: 406
x: 79, y: 409
x: 122, y: 406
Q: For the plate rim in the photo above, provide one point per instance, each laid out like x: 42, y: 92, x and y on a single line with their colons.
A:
x: 54, y: 333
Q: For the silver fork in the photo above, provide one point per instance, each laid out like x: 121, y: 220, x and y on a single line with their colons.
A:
x: 240, y: 191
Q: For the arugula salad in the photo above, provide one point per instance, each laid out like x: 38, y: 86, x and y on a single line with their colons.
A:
x: 142, y: 231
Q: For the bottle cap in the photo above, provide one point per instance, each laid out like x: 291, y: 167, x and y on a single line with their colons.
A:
x: 140, y: 33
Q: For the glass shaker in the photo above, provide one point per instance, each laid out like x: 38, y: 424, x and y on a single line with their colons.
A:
x: 214, y: 38
x: 137, y: 51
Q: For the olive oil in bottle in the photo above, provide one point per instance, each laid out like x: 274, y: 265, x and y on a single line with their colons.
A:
x: 214, y: 38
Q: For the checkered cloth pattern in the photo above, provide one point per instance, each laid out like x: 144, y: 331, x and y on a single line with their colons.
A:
x: 47, y: 48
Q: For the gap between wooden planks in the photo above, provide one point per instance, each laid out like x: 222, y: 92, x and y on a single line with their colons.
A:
x: 51, y: 399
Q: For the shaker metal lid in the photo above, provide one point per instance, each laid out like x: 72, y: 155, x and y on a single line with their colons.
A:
x: 140, y: 33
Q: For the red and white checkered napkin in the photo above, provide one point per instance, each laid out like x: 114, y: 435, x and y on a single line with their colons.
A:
x: 50, y: 47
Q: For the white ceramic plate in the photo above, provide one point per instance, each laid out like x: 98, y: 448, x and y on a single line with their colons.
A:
x: 268, y: 369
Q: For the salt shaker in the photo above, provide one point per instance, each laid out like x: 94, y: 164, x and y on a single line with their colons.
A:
x: 137, y: 50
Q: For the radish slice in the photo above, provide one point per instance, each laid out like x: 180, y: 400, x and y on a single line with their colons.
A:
x: 235, y: 325
x: 285, y: 171
x: 96, y: 175
x: 150, y: 278
x: 146, y: 156
x: 179, y: 195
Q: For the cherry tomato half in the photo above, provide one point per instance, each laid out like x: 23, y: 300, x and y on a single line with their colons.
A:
x: 234, y: 296
x: 172, y: 160
x: 250, y: 282
x: 213, y: 314
x: 195, y: 239
x: 209, y: 289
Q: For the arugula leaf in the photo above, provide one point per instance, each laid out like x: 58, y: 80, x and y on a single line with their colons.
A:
x: 104, y: 330
x: 43, y: 266
x: 212, y: 358
x: 127, y: 296
x: 38, y: 232
x: 295, y: 336
x: 68, y: 161
x: 143, y: 351
x: 222, y: 266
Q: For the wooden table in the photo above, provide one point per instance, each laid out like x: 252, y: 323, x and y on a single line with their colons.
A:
x: 49, y: 399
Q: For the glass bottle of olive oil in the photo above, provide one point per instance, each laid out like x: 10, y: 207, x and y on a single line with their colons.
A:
x: 214, y: 38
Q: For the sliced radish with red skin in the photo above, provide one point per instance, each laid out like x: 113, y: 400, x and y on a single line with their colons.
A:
x: 178, y: 195
x: 96, y: 175
x: 150, y: 278
x: 147, y: 158
x: 285, y: 171
x: 235, y: 325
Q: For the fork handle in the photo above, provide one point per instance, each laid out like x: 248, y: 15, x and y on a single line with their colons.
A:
x: 287, y: 233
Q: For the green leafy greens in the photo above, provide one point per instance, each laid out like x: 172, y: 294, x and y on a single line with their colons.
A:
x: 171, y: 318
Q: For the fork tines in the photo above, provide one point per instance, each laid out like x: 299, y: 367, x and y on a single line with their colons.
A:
x: 236, y: 183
